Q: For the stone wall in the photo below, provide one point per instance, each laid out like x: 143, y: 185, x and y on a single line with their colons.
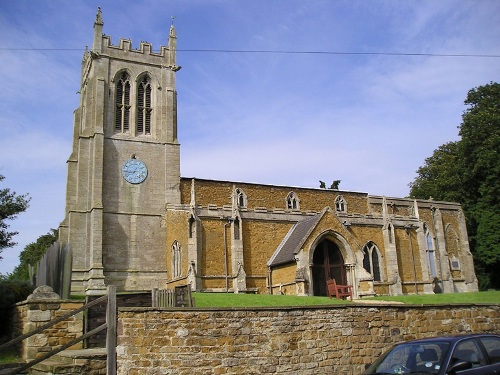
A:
x: 40, y: 308
x: 296, y: 340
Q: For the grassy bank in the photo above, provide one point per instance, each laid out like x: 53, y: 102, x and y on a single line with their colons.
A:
x: 255, y: 300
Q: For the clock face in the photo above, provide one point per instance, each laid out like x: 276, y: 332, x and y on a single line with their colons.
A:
x: 134, y: 171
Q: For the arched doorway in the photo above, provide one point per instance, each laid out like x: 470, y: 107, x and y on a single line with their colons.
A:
x: 328, y: 263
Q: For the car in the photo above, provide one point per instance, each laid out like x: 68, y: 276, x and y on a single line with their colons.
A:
x: 470, y: 354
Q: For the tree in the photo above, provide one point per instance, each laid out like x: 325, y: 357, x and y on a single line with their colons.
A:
x: 10, y: 206
x: 480, y: 150
x: 32, y: 253
x: 468, y: 172
x: 440, y: 177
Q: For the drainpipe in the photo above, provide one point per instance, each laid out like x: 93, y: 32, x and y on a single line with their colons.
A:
x: 270, y: 280
x: 407, y: 229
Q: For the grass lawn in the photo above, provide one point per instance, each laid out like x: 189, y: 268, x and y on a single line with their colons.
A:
x: 256, y: 300
x: 9, y: 356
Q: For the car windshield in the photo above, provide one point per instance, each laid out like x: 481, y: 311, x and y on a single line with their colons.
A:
x: 411, y: 358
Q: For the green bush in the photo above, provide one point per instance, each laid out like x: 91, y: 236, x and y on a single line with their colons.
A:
x: 11, y: 292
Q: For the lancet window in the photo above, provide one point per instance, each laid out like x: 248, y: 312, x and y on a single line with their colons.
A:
x: 241, y: 198
x: 122, y: 103
x: 371, y: 260
x: 144, y: 106
x: 429, y: 249
x: 340, y: 204
x: 176, y: 259
x: 292, y: 201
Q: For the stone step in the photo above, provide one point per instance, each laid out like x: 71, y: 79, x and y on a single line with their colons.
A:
x: 7, y: 368
x: 82, y: 361
x: 50, y: 367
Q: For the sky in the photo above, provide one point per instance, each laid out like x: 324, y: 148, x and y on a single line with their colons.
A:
x: 361, y: 91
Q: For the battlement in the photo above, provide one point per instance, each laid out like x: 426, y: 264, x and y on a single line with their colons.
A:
x: 145, y: 48
x: 102, y: 47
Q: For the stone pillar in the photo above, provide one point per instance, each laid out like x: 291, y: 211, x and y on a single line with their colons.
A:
x: 391, y: 255
x: 442, y: 254
x: 42, y: 307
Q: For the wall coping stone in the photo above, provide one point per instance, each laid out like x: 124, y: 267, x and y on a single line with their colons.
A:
x: 312, y: 307
x: 43, y: 292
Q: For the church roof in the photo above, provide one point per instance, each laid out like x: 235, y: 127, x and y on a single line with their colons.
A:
x: 293, y: 241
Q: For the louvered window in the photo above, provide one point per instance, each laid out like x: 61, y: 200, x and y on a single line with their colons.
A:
x: 144, y: 106
x: 122, y: 110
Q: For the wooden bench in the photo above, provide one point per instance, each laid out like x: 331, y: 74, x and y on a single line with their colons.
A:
x: 339, y: 291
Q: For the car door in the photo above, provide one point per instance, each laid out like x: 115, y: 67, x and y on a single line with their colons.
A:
x: 491, y: 345
x: 470, y: 351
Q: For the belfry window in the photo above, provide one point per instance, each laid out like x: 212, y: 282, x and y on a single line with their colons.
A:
x: 371, y: 262
x: 122, y: 104
x: 340, y: 204
x: 176, y: 259
x: 292, y: 201
x: 144, y: 106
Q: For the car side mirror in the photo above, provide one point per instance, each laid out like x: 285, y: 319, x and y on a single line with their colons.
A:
x: 459, y: 366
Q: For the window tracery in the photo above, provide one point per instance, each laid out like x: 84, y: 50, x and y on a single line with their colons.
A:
x: 122, y: 103
x: 429, y: 250
x: 176, y: 259
x: 292, y: 201
x: 241, y: 198
x: 371, y: 260
x: 340, y: 204
x: 144, y: 108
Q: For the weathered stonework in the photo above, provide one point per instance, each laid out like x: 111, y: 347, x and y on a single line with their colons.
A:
x: 223, y: 236
x: 295, y: 340
x: 39, y: 309
x: 399, y: 228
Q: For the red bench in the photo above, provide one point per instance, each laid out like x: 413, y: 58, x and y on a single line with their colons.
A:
x: 339, y: 291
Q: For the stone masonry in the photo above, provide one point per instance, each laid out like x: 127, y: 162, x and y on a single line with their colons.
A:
x: 40, y: 308
x: 296, y: 340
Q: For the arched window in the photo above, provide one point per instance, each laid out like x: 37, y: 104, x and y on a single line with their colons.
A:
x: 144, y: 106
x: 241, y: 198
x: 292, y: 201
x: 176, y: 259
x: 340, y: 204
x: 122, y: 103
x: 371, y: 260
x: 429, y: 249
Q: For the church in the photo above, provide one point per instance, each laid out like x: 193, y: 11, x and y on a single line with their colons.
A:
x: 132, y: 221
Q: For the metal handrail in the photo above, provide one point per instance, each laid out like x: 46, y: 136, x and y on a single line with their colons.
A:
x: 110, y: 325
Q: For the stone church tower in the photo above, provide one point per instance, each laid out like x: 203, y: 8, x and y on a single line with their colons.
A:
x: 124, y: 166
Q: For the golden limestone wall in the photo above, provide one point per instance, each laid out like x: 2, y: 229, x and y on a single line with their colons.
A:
x: 270, y: 197
x: 294, y: 340
x: 213, y: 264
x: 260, y: 240
x: 177, y: 230
x: 265, y: 220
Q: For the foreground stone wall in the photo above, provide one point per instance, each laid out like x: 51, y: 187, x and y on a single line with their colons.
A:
x: 317, y: 340
x: 40, y: 308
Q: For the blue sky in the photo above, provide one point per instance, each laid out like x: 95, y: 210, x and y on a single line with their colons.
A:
x: 273, y: 118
